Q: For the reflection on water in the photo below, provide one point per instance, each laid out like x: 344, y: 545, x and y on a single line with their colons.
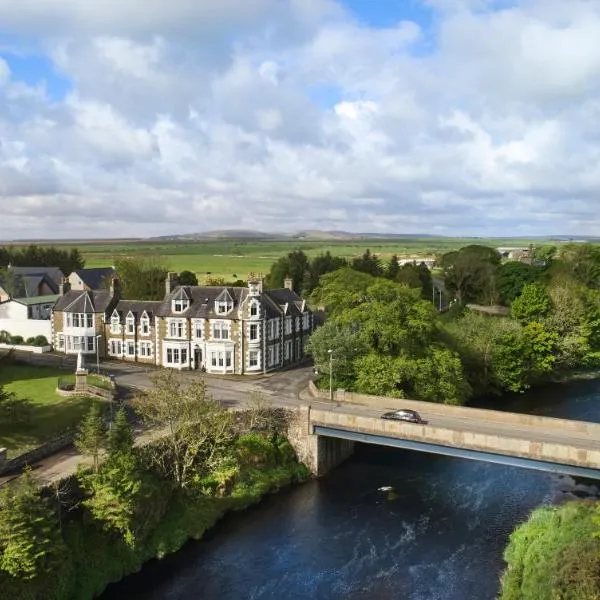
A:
x: 439, y: 536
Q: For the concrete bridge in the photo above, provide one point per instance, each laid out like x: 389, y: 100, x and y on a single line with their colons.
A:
x: 325, y: 434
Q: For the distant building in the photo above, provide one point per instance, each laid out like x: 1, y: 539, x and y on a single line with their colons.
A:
x: 29, y: 282
x: 519, y: 254
x: 91, y: 279
x: 219, y: 329
x: 28, y: 317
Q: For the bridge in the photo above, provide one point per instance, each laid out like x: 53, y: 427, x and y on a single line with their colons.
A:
x: 325, y: 434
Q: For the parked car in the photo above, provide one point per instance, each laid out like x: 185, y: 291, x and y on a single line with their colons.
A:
x: 405, y: 414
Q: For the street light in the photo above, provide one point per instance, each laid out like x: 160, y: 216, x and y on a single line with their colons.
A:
x: 98, y: 338
x: 330, y: 352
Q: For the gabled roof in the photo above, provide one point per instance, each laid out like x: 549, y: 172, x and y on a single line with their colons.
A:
x: 202, y: 301
x: 137, y: 308
x: 53, y: 273
x: 26, y: 285
x: 79, y: 301
x: 95, y: 278
x: 285, y: 297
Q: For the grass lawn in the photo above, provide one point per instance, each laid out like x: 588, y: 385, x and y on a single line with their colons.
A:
x: 52, y: 414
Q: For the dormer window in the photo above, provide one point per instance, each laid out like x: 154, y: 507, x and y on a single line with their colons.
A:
x: 130, y: 323
x: 115, y: 323
x: 145, y: 324
x: 181, y: 301
x: 180, y: 305
x: 254, y: 309
x: 223, y: 303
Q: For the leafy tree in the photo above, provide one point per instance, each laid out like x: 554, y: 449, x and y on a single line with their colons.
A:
x: 346, y: 345
x: 581, y: 261
x: 341, y: 290
x: 469, y: 273
x: 368, y: 263
x: 197, y: 429
x: 513, y: 276
x: 142, y: 278
x: 533, y: 304
x: 37, y: 256
x: 124, y: 498
x: 91, y: 436
x: 30, y: 541
x: 295, y: 265
x: 120, y: 436
x: 320, y: 265
x: 188, y: 278
x: 392, y: 268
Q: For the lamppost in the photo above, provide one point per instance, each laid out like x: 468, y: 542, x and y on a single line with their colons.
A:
x: 98, y: 338
x: 330, y: 352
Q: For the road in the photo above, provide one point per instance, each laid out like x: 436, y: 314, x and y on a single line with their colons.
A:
x: 280, y: 388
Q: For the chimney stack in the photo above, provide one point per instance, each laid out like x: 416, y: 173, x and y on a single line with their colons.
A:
x: 171, y: 282
x: 255, y: 284
x: 115, y: 287
x: 288, y: 283
x: 64, y: 286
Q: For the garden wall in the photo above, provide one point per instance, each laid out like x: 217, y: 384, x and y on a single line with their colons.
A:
x: 26, y: 348
x: 43, y: 451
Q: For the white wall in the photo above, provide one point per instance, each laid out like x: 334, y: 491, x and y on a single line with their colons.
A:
x: 27, y: 327
x: 12, y: 310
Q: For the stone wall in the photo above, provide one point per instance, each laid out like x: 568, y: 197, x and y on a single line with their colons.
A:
x: 28, y: 458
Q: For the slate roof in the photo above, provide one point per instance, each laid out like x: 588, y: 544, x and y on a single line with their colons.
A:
x: 26, y: 285
x: 95, y: 278
x: 137, y: 307
x: 78, y: 301
x: 286, y: 298
x: 53, y: 273
x: 202, y: 302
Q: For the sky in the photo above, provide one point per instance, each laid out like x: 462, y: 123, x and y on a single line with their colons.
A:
x: 124, y: 118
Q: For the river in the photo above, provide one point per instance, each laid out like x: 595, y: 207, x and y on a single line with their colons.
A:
x: 440, y: 536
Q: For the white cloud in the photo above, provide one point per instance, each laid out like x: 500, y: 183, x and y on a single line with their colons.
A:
x: 283, y: 115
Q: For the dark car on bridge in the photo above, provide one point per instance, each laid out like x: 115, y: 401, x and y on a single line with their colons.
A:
x: 405, y: 414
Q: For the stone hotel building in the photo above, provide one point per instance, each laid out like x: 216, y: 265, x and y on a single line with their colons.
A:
x: 217, y: 329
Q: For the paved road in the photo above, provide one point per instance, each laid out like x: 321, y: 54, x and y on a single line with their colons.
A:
x: 436, y: 417
x: 280, y: 388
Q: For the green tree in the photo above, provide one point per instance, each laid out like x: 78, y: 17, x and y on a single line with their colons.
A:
x: 470, y: 274
x: 142, y: 278
x: 319, y: 266
x: 368, y: 263
x: 197, y: 430
x: 392, y: 268
x: 533, y: 304
x: 341, y: 290
x: 188, y: 278
x: 513, y: 276
x: 30, y: 541
x: 346, y: 345
x: 91, y: 436
x: 295, y: 265
x: 120, y: 436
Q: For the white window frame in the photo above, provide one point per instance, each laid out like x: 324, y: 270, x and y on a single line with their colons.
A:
x: 115, y: 323
x: 130, y: 325
x: 145, y: 349
x: 288, y: 325
x: 176, y: 329
x: 180, y: 305
x: 306, y: 320
x: 221, y: 327
x: 198, y: 328
x: 253, y: 357
x: 115, y: 347
x: 254, y: 309
x: 145, y: 325
x: 287, y: 350
x: 61, y: 341
x: 251, y: 328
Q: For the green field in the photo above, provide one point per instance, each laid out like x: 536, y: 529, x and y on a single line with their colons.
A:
x: 52, y: 414
x: 233, y: 259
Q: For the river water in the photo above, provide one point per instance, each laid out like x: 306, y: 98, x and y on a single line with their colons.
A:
x: 439, y: 537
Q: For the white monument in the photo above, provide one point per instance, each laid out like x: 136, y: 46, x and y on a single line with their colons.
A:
x: 80, y: 374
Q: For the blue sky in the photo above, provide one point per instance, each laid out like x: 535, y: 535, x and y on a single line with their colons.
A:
x: 459, y: 117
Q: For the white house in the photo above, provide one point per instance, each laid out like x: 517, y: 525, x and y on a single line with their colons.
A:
x: 28, y: 317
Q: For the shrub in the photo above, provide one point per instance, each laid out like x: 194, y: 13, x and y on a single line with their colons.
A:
x: 17, y: 340
x: 40, y: 340
x: 29, y: 341
x: 4, y: 337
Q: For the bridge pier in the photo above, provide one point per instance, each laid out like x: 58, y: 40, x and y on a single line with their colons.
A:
x: 320, y: 454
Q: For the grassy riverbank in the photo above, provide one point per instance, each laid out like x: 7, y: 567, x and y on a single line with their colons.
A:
x: 555, y: 555
x: 93, y: 557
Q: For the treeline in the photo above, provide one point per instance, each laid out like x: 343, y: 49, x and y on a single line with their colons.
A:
x: 306, y: 273
x: 131, y: 504
x: 387, y: 339
x: 41, y: 256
